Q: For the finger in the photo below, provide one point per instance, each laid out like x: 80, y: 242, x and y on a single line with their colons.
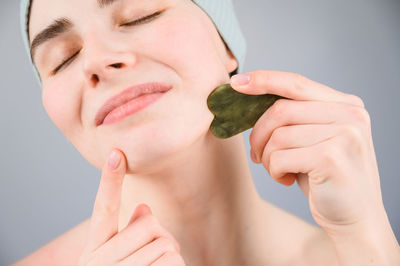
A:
x: 104, y: 220
x: 169, y: 258
x: 141, y: 209
x: 302, y: 182
x: 135, y: 236
x: 285, y: 166
x: 144, y: 209
x: 289, y: 112
x: 318, y: 161
x: 287, y: 179
x: 293, y: 86
x: 298, y: 136
x: 149, y: 253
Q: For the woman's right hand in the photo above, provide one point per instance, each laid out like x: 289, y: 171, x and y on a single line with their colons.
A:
x: 142, y: 242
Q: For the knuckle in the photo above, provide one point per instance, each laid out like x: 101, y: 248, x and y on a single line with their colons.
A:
x: 277, y: 138
x: 166, y: 244
x: 353, y: 138
x: 105, y: 209
x: 330, y: 154
x: 300, y: 82
x: 278, y: 108
x: 361, y: 115
x: 351, y: 132
x: 356, y: 100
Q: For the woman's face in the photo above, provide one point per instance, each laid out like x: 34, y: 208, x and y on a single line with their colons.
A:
x: 96, y: 54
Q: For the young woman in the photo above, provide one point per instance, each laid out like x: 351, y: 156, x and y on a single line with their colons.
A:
x: 171, y: 193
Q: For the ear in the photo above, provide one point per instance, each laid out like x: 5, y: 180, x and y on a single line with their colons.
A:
x: 232, y: 63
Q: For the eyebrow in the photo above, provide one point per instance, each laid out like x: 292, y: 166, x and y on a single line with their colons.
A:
x: 55, y: 29
x: 104, y: 3
x: 58, y: 27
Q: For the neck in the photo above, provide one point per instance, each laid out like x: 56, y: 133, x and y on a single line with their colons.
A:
x: 203, y: 196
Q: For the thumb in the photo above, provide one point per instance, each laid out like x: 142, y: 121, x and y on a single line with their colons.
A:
x: 141, y: 209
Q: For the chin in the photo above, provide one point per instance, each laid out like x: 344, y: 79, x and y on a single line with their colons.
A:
x: 151, y: 148
x: 154, y: 143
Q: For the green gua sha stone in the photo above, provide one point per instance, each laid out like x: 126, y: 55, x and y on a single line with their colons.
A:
x: 236, y: 112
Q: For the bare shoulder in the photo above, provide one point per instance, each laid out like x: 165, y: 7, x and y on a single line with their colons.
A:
x: 310, y: 245
x: 63, y: 250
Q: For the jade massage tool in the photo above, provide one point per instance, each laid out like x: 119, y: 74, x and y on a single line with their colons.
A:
x: 235, y: 112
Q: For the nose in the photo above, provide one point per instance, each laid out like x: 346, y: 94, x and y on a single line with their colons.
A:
x: 104, y: 56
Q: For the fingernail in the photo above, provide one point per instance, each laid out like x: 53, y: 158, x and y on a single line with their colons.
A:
x: 114, y: 160
x: 240, y: 79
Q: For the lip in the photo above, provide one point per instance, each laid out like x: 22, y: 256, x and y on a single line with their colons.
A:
x: 128, y: 95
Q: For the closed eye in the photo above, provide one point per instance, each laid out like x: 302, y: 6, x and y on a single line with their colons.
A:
x: 132, y: 23
x: 64, y: 63
x: 142, y: 20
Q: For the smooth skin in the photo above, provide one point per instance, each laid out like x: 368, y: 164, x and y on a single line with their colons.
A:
x: 199, y: 188
x: 321, y: 138
x: 108, y: 245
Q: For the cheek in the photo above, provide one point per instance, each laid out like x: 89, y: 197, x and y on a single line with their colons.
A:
x: 61, y: 106
x: 188, y: 45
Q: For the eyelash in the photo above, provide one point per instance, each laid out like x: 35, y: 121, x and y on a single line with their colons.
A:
x: 142, y: 19
x: 132, y: 23
x: 63, y: 64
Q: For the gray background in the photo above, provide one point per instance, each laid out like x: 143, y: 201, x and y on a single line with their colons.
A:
x: 46, y: 187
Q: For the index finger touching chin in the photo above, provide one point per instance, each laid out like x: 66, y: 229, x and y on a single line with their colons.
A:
x: 104, y: 220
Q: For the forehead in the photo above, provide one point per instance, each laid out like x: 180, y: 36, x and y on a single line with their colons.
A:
x: 44, y: 12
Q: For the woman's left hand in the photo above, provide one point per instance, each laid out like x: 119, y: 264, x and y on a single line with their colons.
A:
x: 321, y: 138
